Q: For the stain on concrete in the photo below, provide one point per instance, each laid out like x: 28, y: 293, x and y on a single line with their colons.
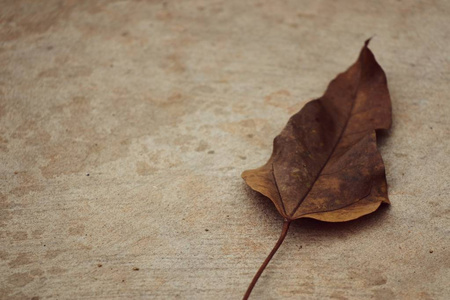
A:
x: 144, y: 169
x: 256, y: 128
x: 5, y: 214
x: 37, y: 233
x: 21, y: 259
x: 20, y: 279
x: 56, y: 271
x: 52, y: 254
x: 202, y: 146
x: 369, y: 276
x: 77, y: 230
x: 383, y: 293
x: 26, y: 183
x: 18, y: 235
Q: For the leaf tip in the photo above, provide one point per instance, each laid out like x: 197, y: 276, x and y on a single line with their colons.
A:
x: 366, y: 43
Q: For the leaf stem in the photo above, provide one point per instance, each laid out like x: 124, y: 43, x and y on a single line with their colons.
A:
x: 266, y: 262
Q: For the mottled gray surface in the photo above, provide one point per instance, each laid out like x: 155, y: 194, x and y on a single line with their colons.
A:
x: 125, y: 125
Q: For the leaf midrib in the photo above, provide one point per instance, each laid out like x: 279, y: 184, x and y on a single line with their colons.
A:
x: 328, y: 158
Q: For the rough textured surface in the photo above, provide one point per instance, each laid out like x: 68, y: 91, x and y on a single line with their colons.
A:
x: 125, y: 125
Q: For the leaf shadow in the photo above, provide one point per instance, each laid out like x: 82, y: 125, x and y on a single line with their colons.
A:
x: 382, y: 136
x: 261, y: 204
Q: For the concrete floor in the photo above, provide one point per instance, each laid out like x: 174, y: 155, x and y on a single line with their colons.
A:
x: 125, y: 126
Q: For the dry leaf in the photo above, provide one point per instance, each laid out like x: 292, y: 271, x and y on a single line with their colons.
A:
x: 325, y: 164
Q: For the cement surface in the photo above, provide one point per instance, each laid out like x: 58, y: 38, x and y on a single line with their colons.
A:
x: 125, y: 126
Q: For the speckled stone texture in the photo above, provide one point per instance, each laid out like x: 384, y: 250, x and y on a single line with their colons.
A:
x: 125, y: 126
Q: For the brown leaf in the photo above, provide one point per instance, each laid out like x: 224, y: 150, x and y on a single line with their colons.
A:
x: 325, y: 164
